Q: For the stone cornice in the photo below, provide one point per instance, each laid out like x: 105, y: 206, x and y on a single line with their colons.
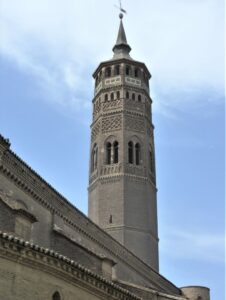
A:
x: 32, y: 255
x: 17, y: 171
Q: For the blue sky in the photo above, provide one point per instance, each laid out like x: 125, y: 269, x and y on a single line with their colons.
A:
x: 48, y: 51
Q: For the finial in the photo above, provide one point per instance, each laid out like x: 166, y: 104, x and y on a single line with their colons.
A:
x: 122, y: 11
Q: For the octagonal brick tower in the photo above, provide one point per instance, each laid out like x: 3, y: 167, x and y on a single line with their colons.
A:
x: 122, y: 186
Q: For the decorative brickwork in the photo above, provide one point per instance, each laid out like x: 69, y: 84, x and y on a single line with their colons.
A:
x: 112, y: 123
x: 95, y: 130
x: 134, y: 124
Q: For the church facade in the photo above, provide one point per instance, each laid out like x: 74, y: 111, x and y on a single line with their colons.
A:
x: 51, y: 250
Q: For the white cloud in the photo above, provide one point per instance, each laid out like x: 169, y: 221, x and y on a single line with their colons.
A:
x: 60, y: 42
x: 182, y: 244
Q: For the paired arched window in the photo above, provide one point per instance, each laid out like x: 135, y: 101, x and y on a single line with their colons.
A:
x: 56, y: 296
x: 134, y: 153
x: 94, y: 158
x: 112, y: 153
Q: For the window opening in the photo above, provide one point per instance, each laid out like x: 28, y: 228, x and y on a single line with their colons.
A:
x: 130, y: 152
x: 56, y: 296
x: 108, y: 72
x: 108, y: 153
x: 136, y: 73
x: 106, y: 97
x: 112, y: 96
x: 139, y: 98
x: 151, y: 162
x: 127, y: 70
x: 137, y: 153
x: 133, y: 96
x: 110, y: 219
x: 127, y: 95
x: 117, y: 70
x: 115, y: 157
x: 118, y: 95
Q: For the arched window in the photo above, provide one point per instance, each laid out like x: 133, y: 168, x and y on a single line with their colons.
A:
x: 136, y: 73
x: 108, y: 72
x: 127, y: 95
x: 117, y: 70
x: 112, y: 96
x: 94, y: 158
x: 115, y: 152
x: 137, y: 153
x: 133, y: 96
x: 56, y: 296
x: 130, y: 152
x: 118, y: 95
x: 127, y: 70
x: 106, y: 97
x: 139, y: 98
x: 108, y: 153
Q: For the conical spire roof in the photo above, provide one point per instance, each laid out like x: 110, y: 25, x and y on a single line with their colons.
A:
x: 121, y: 48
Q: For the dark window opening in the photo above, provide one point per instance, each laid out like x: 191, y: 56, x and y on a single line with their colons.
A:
x: 130, y: 152
x: 117, y: 70
x: 108, y: 72
x: 108, y: 153
x: 94, y: 158
x: 151, y: 162
x: 118, y: 95
x: 56, y: 296
x: 139, y: 98
x: 110, y: 219
x: 127, y: 95
x: 106, y: 97
x: 136, y: 73
x: 115, y: 157
x: 127, y: 70
x: 112, y: 96
x: 137, y: 153
x: 133, y: 96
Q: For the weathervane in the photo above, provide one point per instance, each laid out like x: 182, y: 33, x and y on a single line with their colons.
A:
x: 122, y: 11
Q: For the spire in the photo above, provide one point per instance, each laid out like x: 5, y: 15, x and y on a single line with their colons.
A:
x: 121, y: 48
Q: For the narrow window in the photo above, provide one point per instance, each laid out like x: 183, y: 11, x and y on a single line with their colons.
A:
x: 112, y: 96
x: 151, y: 162
x: 136, y: 73
x: 94, y: 158
x: 130, y: 152
x: 106, y: 97
x: 115, y: 156
x: 139, y: 98
x: 118, y: 95
x: 133, y: 96
x: 56, y: 296
x: 108, y: 72
x: 117, y: 70
x: 127, y: 95
x: 137, y: 153
x: 100, y: 75
x: 110, y: 219
x: 108, y: 153
x: 96, y: 82
x: 127, y: 70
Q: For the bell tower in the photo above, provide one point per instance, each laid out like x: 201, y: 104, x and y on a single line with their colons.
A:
x: 122, y: 186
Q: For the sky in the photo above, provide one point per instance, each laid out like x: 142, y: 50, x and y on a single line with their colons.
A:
x: 48, y: 52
